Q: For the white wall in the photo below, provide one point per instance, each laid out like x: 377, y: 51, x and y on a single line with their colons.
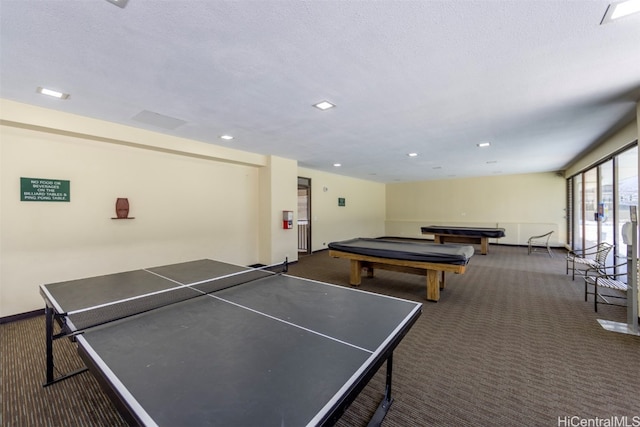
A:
x: 524, y: 205
x: 278, y: 192
x: 181, y: 212
x: 362, y: 215
x: 187, y: 204
x: 190, y: 200
x: 194, y: 200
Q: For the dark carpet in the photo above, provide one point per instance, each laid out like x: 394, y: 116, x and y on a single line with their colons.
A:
x: 510, y: 343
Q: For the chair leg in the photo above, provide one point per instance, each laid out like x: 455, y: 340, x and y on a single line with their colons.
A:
x: 586, y: 285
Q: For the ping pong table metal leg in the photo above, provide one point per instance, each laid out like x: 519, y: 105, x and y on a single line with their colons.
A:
x: 50, y: 315
x: 387, y: 400
x: 48, y: 312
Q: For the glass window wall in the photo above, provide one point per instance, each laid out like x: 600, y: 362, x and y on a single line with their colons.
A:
x: 600, y: 200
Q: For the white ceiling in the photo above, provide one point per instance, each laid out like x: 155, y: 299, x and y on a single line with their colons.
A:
x: 541, y: 80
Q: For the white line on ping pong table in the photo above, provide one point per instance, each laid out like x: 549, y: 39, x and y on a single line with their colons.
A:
x: 290, y: 323
x: 190, y: 285
x: 181, y: 286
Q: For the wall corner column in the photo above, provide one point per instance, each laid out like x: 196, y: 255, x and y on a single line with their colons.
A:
x: 278, y: 191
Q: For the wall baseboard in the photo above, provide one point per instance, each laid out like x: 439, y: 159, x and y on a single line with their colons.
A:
x: 21, y: 316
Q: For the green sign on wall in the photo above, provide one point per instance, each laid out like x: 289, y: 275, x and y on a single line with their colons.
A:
x: 44, y: 190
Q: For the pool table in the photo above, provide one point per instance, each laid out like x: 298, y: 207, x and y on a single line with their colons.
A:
x: 423, y: 258
x: 478, y: 235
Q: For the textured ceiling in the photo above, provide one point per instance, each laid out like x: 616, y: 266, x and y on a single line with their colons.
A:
x: 541, y: 80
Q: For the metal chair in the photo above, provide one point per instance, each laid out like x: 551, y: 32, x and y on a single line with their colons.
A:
x: 606, y: 279
x: 540, y: 241
x: 593, y: 258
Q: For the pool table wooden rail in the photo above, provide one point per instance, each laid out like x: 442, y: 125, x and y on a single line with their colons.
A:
x: 434, y: 272
x: 453, y: 238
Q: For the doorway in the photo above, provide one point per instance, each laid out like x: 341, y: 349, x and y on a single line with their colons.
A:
x: 304, y: 216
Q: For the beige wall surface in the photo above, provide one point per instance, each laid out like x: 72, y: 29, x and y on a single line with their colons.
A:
x: 23, y: 115
x: 193, y: 200
x: 625, y: 136
x: 185, y: 208
x: 362, y: 215
x: 278, y: 192
x: 190, y: 200
x: 525, y: 205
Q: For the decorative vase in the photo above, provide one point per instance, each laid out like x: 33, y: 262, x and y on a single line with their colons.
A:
x: 122, y: 208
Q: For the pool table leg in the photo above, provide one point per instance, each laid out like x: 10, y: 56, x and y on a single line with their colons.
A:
x: 484, y: 245
x: 369, y: 270
x: 433, y: 285
x: 356, y: 272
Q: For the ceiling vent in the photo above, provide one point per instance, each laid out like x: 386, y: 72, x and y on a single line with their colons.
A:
x: 158, y: 120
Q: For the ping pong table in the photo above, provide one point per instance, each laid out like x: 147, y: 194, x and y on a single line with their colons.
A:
x: 207, y: 342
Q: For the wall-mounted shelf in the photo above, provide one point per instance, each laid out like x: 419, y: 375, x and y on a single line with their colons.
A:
x: 129, y: 217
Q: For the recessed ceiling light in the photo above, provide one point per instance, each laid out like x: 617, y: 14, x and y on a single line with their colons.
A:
x: 337, y: 165
x: 620, y: 10
x: 53, y: 93
x: 412, y: 154
x: 226, y: 137
x: 483, y: 144
x: 324, y: 105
